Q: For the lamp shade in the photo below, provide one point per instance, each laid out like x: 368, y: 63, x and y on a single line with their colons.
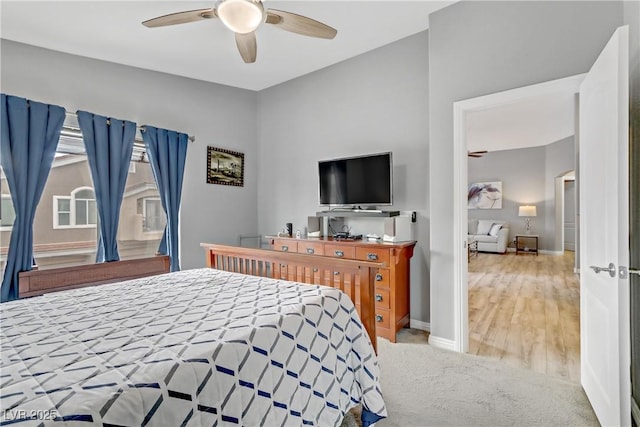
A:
x: 527, y: 210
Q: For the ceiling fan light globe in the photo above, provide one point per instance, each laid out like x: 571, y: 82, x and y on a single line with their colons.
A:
x: 241, y: 16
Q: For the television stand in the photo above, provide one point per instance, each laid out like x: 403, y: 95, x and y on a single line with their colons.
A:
x: 358, y: 212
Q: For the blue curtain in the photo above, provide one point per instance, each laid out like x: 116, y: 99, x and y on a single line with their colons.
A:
x: 109, y: 144
x: 30, y: 133
x: 167, y: 151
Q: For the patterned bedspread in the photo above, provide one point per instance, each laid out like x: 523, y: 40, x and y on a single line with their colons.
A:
x: 196, y: 348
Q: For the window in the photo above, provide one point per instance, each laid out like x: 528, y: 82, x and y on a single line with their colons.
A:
x: 7, y: 213
x: 153, y: 215
x: 65, y: 231
x: 78, y: 210
x: 142, y: 219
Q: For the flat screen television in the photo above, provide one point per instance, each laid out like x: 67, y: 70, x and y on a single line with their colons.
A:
x: 357, y: 181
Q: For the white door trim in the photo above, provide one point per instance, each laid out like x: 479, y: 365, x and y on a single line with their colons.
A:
x: 460, y: 184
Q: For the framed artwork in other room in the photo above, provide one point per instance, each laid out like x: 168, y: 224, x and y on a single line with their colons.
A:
x: 225, y: 167
x: 485, y: 195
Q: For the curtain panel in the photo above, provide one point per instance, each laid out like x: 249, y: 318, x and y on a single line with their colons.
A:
x: 30, y: 134
x: 109, y: 145
x: 167, y: 152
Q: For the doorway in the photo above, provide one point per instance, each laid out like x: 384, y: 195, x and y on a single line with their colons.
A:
x: 523, y: 309
x: 461, y: 110
x: 604, y: 162
x: 566, y: 222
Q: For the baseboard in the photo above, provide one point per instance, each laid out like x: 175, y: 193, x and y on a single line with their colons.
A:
x: 442, y: 343
x: 546, y: 252
x: 419, y: 324
x: 541, y: 251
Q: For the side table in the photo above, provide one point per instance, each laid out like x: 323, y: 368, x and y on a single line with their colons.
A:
x: 472, y: 247
x: 527, y: 243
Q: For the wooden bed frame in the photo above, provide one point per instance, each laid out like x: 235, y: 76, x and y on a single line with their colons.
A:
x: 38, y: 282
x: 355, y: 278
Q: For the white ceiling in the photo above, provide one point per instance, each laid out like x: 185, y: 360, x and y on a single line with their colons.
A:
x: 205, y: 50
x: 530, y: 122
x: 110, y: 30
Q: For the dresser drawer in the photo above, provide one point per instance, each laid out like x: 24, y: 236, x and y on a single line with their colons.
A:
x: 340, y: 251
x: 382, y: 277
x: 285, y: 245
x: 383, y: 318
x: 383, y: 300
x: 311, y: 248
x: 372, y: 254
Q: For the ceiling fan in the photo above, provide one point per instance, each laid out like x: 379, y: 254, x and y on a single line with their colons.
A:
x: 243, y: 17
x: 476, y: 153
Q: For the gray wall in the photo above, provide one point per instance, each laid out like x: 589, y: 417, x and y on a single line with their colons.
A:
x: 372, y: 103
x: 478, y: 48
x: 217, y: 115
x: 522, y: 183
x: 559, y: 159
x: 528, y: 178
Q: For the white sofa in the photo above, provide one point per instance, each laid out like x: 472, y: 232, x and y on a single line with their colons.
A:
x: 497, y: 241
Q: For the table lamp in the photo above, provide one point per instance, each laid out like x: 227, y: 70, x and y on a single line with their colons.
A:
x: 527, y: 211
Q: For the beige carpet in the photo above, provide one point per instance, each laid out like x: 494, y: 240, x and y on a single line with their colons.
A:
x: 426, y: 386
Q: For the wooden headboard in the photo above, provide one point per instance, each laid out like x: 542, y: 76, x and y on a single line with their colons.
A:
x: 355, y: 278
x: 38, y: 282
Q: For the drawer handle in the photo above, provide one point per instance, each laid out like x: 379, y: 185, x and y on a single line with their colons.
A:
x: 336, y: 273
x: 315, y: 270
x: 283, y: 265
x: 379, y: 318
x: 310, y: 251
x: 378, y: 277
x: 378, y: 297
x: 339, y: 253
x: 285, y: 248
x: 372, y: 257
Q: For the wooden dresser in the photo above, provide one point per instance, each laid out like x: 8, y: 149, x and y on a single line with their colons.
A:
x: 392, y: 281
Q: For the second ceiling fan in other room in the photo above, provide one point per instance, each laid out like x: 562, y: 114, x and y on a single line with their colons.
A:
x: 476, y: 153
x: 243, y: 17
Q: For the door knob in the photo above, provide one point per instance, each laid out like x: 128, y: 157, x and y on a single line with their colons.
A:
x: 611, y: 269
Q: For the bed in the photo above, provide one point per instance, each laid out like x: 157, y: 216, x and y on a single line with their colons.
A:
x: 197, y: 347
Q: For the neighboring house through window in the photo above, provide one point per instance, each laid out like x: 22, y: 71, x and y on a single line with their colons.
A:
x: 75, y: 211
x: 7, y: 213
x: 154, y: 217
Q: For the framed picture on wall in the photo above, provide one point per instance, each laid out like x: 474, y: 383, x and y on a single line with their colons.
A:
x: 485, y: 195
x: 225, y: 167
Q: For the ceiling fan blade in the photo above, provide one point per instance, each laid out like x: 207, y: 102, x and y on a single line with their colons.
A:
x: 180, y: 18
x: 476, y: 153
x: 300, y: 24
x: 247, y: 46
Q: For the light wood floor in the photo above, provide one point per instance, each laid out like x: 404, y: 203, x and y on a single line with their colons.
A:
x: 525, y: 310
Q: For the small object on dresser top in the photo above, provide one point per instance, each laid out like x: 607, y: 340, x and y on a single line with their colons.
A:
x: 340, y: 236
x: 373, y: 237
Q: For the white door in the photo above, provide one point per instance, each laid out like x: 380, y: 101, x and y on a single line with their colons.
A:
x: 570, y: 216
x: 604, y: 232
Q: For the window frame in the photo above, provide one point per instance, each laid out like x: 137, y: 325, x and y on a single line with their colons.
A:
x: 72, y: 210
x: 144, y: 213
